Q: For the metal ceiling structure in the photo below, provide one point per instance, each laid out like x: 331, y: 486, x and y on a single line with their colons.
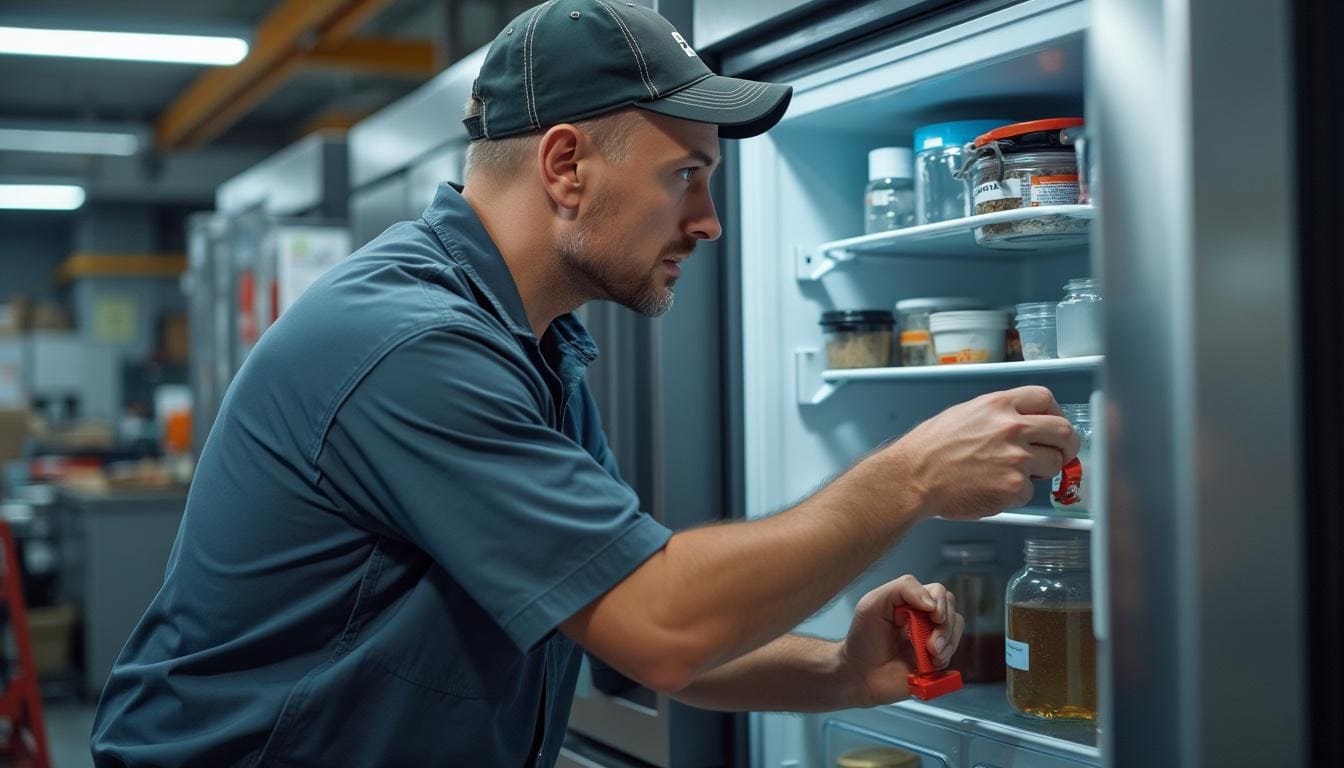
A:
x: 313, y: 64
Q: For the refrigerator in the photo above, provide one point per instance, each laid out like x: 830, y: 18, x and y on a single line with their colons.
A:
x: 1216, y: 597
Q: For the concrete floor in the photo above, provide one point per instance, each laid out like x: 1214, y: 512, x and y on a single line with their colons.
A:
x: 68, y: 726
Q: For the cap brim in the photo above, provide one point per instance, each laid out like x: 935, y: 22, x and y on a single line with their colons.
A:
x: 741, y: 108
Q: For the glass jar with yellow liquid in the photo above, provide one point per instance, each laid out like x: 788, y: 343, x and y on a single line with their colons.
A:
x: 1049, y: 648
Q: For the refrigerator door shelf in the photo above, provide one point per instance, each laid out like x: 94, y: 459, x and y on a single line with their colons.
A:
x: 1041, y: 517
x: 983, y: 710
x: 816, y: 383
x: 946, y: 239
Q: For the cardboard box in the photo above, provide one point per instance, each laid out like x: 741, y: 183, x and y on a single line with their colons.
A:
x: 174, y: 338
x: 13, y: 373
x: 49, y: 317
x: 50, y: 630
x: 13, y: 433
x: 14, y: 316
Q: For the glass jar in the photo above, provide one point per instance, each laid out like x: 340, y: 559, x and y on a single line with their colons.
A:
x: 1078, y: 318
x: 857, y: 338
x: 1026, y: 165
x: 1068, y: 489
x: 1036, y: 327
x: 916, y: 340
x: 970, y: 570
x: 940, y: 195
x: 1049, y: 647
x: 889, y: 199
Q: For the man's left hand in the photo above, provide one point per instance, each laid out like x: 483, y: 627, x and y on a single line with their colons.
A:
x: 876, y: 657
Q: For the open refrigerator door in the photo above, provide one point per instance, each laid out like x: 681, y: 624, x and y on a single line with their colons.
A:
x: 805, y: 252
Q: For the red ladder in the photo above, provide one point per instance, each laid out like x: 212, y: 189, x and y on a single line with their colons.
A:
x: 20, y: 701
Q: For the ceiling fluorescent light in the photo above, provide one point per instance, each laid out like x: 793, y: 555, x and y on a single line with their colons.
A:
x: 69, y: 142
x: 41, y: 197
x: 126, y: 46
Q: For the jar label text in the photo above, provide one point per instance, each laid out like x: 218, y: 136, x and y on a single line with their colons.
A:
x: 1017, y: 654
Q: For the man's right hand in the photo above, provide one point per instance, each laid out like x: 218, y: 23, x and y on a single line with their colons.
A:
x: 979, y: 458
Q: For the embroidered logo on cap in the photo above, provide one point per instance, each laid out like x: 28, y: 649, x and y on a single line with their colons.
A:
x: 685, y: 46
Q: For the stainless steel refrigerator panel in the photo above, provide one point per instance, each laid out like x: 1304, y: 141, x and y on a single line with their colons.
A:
x: 377, y: 207
x: 429, y: 172
x: 1198, y: 257
x: 310, y: 176
x: 419, y: 123
x: 717, y: 21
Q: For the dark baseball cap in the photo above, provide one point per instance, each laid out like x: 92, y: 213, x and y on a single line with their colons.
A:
x: 568, y: 60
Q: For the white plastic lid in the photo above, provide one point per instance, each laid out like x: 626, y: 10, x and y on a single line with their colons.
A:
x: 971, y: 320
x: 937, y: 304
x: 891, y: 162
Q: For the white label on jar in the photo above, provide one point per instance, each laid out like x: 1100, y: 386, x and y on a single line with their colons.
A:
x: 1017, y: 655
x: 1061, y: 189
x: 995, y: 190
x: 880, y: 198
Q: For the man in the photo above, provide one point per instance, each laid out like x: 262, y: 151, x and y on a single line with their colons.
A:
x: 406, y: 522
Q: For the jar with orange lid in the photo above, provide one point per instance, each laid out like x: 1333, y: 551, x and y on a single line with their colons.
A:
x: 1026, y: 165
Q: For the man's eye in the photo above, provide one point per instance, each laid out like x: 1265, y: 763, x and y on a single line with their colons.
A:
x: 686, y: 173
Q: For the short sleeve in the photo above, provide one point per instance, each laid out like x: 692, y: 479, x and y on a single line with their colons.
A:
x: 445, y: 444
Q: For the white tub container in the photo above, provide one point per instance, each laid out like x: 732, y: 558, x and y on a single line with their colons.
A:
x: 970, y: 336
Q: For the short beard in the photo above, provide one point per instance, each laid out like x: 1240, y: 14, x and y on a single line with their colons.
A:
x: 595, y: 274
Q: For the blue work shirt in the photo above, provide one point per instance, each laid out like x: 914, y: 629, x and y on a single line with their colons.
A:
x: 404, y: 494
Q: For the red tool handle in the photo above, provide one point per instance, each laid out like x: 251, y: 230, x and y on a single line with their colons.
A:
x: 926, y: 682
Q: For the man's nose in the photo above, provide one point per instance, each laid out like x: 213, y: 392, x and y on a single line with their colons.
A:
x: 704, y: 221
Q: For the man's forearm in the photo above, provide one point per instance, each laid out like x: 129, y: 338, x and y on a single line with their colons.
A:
x: 713, y: 594
x: 791, y: 674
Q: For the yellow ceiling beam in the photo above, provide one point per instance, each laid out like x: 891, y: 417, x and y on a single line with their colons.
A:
x: 220, y: 97
x: 397, y: 58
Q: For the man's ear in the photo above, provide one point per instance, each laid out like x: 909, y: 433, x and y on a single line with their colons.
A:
x: 560, y: 155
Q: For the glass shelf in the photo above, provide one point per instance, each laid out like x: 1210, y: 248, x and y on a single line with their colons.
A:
x: 955, y: 239
x: 817, y: 384
x: 1041, y: 517
x: 983, y: 708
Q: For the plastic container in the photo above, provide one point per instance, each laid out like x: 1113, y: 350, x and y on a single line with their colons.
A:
x: 971, y: 570
x: 1036, y: 327
x: 1026, y: 165
x: 858, y: 338
x: 912, y: 317
x: 1078, y: 318
x: 889, y: 200
x: 940, y: 151
x: 1069, y: 489
x: 1049, y: 649
x: 970, y: 336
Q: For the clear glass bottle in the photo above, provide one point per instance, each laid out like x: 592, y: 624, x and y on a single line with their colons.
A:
x: 970, y: 569
x: 1078, y: 318
x: 940, y: 192
x: 889, y: 200
x: 1068, y: 489
x: 1049, y: 647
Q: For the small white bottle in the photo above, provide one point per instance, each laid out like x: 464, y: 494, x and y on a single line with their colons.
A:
x: 889, y: 201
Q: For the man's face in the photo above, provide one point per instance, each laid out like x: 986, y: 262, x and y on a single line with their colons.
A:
x: 645, y: 215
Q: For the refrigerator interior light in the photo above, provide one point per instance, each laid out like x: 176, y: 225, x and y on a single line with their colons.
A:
x: 69, y: 142
x: 125, y: 46
x: 41, y: 197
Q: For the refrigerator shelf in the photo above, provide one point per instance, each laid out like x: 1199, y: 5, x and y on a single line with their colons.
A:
x: 1044, y: 517
x: 953, y: 239
x: 816, y: 383
x: 983, y: 709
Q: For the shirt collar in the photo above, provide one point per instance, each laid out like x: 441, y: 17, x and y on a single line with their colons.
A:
x: 465, y: 238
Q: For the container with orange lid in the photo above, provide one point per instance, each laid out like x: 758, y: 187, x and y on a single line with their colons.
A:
x: 1029, y: 164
